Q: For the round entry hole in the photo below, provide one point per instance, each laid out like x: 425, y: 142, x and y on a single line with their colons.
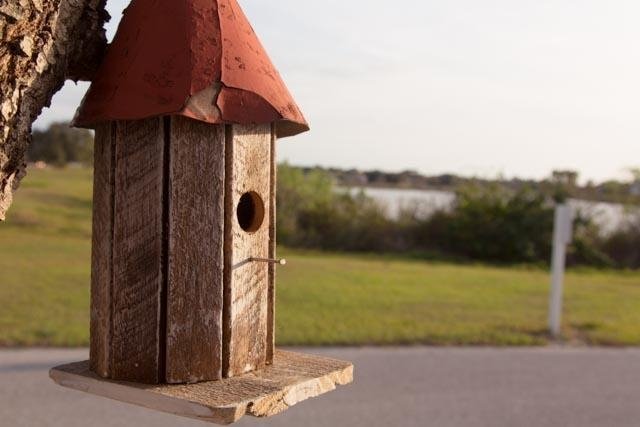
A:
x: 250, y: 212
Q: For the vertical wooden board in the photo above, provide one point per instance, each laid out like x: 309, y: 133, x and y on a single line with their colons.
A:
x: 195, y: 270
x: 138, y: 251
x: 246, y: 283
x: 271, y: 306
x: 101, y: 255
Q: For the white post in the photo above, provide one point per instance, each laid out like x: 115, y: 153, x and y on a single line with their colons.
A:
x: 562, y: 235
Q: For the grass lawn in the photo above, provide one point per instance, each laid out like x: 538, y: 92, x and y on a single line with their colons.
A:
x: 323, y: 299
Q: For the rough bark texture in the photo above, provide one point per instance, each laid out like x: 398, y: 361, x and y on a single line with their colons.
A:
x: 42, y: 43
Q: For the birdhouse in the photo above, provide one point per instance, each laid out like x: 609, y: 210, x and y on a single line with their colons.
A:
x: 187, y: 108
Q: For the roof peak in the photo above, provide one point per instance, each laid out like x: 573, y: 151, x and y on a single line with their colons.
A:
x: 196, y: 58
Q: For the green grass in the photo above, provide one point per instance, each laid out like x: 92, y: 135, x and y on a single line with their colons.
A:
x: 323, y: 299
x: 45, y: 255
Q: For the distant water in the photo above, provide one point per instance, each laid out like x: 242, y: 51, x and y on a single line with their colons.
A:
x: 608, y: 216
x: 423, y: 202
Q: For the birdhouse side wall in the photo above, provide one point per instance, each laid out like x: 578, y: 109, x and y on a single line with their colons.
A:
x: 127, y: 255
x: 101, y: 249
x: 138, y: 249
x: 248, y: 285
x: 196, y: 241
x: 271, y: 304
x: 157, y: 258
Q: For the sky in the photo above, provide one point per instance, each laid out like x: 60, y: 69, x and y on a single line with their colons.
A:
x: 515, y: 88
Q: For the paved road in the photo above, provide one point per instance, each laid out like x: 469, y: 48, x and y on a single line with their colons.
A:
x: 394, y: 387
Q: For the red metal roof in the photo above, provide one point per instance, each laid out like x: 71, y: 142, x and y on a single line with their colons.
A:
x: 196, y: 58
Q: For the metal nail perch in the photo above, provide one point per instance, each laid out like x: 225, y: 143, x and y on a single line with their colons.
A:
x: 269, y: 260
x: 281, y: 261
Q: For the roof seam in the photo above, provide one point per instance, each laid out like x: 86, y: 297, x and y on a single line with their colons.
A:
x: 189, y: 39
x: 223, y: 85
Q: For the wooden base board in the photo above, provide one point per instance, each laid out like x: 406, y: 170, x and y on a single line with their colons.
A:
x: 292, y: 378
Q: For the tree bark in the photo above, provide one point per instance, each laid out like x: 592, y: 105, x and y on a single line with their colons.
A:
x: 42, y: 43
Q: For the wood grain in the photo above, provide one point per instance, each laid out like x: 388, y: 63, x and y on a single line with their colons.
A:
x: 271, y: 297
x: 195, y: 270
x: 137, y: 251
x: 101, y: 249
x: 292, y: 378
x: 248, y: 164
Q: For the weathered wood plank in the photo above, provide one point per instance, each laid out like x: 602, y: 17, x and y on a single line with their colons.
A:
x: 292, y: 378
x: 137, y: 251
x: 196, y: 225
x: 271, y: 298
x: 246, y: 314
x: 101, y: 249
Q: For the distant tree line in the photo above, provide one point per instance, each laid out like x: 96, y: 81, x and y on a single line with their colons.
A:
x: 490, y: 223
x: 563, y: 183
x: 61, y: 144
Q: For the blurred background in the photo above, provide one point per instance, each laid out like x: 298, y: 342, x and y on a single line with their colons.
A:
x: 419, y: 209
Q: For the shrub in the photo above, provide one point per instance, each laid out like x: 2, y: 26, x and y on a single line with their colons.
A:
x: 623, y: 245
x: 60, y: 144
x: 312, y: 214
x: 492, y: 224
x: 586, y: 247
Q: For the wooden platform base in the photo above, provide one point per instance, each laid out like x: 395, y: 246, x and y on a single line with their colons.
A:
x: 292, y: 378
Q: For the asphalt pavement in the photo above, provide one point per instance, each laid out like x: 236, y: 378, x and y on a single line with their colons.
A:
x: 421, y: 386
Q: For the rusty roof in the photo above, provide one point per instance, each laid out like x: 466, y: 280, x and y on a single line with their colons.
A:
x: 196, y: 58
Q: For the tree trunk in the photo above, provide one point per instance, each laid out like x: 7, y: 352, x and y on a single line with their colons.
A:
x: 42, y: 43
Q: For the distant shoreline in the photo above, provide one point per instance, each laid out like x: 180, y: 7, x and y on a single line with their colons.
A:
x: 607, y: 215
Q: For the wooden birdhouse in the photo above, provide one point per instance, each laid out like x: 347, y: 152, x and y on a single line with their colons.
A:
x: 187, y: 108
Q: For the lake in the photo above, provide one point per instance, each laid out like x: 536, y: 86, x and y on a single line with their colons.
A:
x: 608, y: 216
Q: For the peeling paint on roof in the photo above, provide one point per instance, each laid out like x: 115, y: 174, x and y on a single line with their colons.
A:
x: 196, y: 58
